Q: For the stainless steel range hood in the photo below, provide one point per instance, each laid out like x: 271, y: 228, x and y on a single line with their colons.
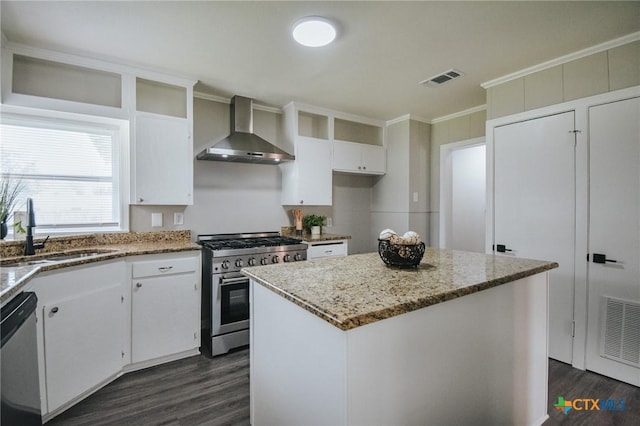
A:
x: 242, y: 145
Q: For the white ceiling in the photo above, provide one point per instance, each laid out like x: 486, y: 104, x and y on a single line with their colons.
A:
x: 382, y: 51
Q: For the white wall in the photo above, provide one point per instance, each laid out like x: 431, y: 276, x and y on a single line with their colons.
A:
x: 468, y: 199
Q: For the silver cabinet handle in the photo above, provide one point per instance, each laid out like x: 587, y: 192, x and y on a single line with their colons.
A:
x: 165, y: 268
x: 54, y: 310
x: 138, y: 285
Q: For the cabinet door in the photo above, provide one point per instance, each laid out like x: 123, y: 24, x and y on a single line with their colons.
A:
x: 313, y: 161
x: 613, y: 333
x: 83, y: 341
x: 346, y: 156
x: 534, y: 209
x: 374, y: 159
x: 163, y: 161
x: 165, y: 316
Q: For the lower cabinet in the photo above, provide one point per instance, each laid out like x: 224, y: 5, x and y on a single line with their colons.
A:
x: 318, y: 249
x: 165, y: 307
x: 83, y: 338
x: 97, y: 321
x: 81, y: 330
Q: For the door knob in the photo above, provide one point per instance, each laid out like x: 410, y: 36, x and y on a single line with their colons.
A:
x: 602, y: 258
x: 501, y: 248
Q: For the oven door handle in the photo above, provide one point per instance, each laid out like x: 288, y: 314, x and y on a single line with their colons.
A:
x: 227, y: 281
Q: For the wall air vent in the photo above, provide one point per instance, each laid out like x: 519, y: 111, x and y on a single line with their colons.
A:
x: 620, y: 339
x: 442, y: 78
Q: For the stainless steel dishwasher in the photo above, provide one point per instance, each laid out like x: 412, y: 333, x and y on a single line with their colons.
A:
x: 20, y: 387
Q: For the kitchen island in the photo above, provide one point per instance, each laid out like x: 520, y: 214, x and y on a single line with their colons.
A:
x: 462, y: 339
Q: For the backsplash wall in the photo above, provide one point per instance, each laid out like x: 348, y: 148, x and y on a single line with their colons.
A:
x: 238, y: 197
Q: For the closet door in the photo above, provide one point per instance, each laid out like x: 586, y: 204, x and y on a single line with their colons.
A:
x: 534, y: 210
x: 613, y: 333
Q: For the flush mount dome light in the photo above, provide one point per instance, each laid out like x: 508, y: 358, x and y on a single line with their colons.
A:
x: 314, y: 31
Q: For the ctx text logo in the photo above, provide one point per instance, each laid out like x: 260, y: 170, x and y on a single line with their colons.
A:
x: 589, y: 404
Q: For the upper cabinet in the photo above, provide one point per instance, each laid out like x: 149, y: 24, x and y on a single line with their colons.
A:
x: 358, y: 146
x: 307, y: 180
x: 157, y: 107
x: 325, y: 141
x: 162, y: 154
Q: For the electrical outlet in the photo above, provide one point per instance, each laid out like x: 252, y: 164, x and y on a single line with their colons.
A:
x: 178, y: 218
x: 329, y: 222
x: 156, y: 219
x: 415, y: 197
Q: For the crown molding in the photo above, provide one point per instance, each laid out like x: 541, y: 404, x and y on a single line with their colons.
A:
x: 629, y: 38
x: 407, y: 117
x: 459, y: 114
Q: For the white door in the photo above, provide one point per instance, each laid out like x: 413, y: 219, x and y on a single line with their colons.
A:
x: 534, y: 210
x: 613, y: 340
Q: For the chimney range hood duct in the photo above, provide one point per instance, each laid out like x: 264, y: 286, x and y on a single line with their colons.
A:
x: 242, y: 145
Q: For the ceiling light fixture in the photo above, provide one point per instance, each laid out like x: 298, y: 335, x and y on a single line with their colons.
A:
x: 314, y: 31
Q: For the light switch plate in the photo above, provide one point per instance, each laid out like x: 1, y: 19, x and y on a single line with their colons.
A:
x: 415, y: 197
x: 156, y: 219
x: 178, y: 218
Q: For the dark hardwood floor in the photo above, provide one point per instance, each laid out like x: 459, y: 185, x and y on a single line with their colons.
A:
x: 204, y: 391
x: 191, y: 391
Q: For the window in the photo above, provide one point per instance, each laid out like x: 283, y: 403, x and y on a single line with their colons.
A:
x: 69, y: 168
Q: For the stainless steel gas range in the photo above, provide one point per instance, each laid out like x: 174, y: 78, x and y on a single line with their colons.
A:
x: 225, y: 291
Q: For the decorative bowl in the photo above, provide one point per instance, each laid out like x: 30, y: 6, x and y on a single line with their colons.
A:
x: 400, y: 255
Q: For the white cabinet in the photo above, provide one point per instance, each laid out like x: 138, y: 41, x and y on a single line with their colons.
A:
x: 165, y: 306
x: 163, y: 161
x: 83, y: 340
x: 307, y: 180
x: 318, y: 249
x: 162, y: 150
x: 81, y: 330
x: 323, y: 141
x: 352, y: 157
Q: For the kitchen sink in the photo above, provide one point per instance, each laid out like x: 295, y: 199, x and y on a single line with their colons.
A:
x: 48, y: 258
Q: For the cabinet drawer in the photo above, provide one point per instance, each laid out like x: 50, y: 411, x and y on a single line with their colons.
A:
x: 164, y: 267
x: 326, y: 249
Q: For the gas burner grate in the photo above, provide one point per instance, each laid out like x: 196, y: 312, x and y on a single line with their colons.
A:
x: 240, y: 243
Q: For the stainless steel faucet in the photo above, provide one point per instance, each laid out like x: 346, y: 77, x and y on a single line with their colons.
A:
x: 29, y: 247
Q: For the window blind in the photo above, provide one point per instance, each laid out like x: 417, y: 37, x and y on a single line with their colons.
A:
x: 68, y: 168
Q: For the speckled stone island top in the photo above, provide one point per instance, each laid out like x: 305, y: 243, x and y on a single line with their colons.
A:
x: 110, y: 246
x: 356, y: 290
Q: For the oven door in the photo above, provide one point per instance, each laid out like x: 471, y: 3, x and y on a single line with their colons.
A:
x: 230, y: 303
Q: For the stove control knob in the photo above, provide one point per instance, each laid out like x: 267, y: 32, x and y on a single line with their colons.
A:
x: 252, y: 261
x: 275, y: 259
x: 225, y: 264
x: 263, y: 261
x: 239, y: 263
x: 297, y: 257
x: 287, y: 258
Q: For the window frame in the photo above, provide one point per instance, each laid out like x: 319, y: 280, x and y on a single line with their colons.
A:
x: 120, y: 130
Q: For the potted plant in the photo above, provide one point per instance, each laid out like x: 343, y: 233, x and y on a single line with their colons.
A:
x: 313, y: 223
x: 9, y: 191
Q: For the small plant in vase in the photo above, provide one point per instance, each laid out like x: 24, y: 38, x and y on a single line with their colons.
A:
x: 313, y: 223
x: 10, y: 189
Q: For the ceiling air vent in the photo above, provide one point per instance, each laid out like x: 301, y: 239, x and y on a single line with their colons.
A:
x: 442, y: 78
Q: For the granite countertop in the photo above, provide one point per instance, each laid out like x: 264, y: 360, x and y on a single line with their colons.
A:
x: 290, y: 231
x: 360, y: 289
x: 109, y: 246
